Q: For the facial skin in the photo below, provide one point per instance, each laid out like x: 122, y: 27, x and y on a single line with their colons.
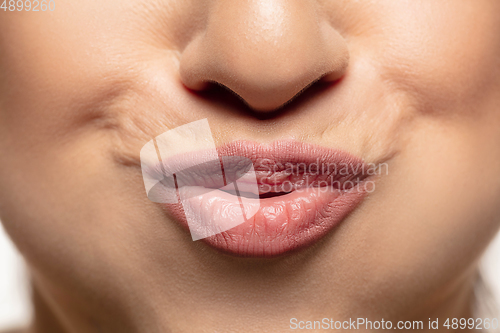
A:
x: 84, y: 87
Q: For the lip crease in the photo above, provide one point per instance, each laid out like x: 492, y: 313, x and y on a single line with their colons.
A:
x: 305, y: 191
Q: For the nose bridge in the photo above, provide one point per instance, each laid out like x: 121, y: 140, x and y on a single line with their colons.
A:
x: 266, y: 36
x: 266, y: 51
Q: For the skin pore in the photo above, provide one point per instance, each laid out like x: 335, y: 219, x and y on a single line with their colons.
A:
x: 414, y: 84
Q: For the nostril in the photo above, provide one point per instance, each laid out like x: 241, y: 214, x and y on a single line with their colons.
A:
x: 227, y: 95
x: 267, y: 65
x: 220, y: 94
x: 261, y: 93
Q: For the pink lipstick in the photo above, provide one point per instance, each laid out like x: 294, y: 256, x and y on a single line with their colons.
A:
x: 304, y: 191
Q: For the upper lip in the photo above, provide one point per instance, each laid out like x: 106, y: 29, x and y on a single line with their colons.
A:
x: 280, y: 167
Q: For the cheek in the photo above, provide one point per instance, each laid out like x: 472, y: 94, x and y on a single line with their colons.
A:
x: 447, y: 57
x: 438, y: 209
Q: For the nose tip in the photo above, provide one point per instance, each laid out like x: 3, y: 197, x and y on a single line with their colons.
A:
x: 267, y: 52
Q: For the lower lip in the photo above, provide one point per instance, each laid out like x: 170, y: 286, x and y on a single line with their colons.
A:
x: 281, y: 224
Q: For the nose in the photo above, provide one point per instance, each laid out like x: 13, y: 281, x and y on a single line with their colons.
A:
x: 265, y: 51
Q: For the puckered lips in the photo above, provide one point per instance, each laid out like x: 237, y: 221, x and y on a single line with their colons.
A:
x: 299, y: 192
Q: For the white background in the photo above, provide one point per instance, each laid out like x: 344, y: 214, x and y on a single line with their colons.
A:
x: 15, y: 307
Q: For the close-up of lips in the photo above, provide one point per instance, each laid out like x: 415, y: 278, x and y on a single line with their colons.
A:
x: 287, y: 195
x: 249, y: 166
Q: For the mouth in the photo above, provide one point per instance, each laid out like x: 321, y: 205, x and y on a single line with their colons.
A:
x: 297, y: 193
